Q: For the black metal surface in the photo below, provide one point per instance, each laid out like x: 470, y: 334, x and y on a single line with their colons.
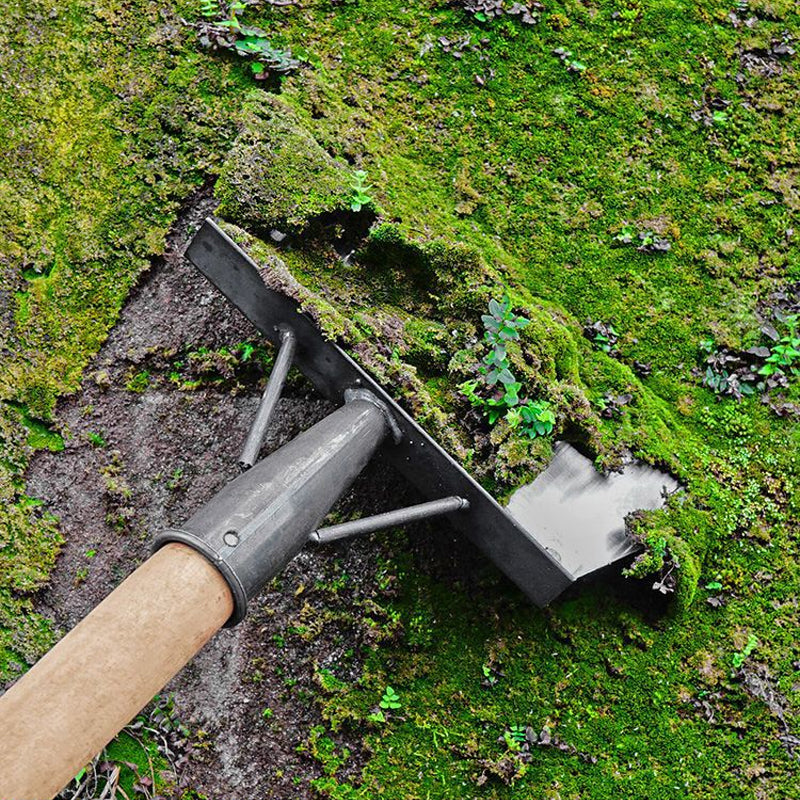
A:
x: 417, y: 456
x: 257, y: 523
x: 378, y: 522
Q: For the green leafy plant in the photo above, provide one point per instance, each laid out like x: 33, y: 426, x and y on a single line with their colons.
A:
x: 390, y: 699
x: 785, y: 355
x: 514, y: 737
x: 210, y: 9
x: 517, y: 733
x: 96, y: 439
x: 739, y: 658
x: 221, y: 30
x: 496, y: 392
x: 360, y: 191
x: 536, y: 418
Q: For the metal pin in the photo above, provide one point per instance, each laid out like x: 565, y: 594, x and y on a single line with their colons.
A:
x: 269, y: 400
x: 400, y: 516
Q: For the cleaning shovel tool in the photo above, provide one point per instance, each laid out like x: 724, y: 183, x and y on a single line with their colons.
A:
x: 61, y: 713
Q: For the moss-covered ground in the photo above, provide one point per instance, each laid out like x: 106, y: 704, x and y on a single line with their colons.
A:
x: 498, y: 166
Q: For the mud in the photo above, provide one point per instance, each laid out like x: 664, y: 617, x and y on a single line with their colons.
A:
x: 160, y: 454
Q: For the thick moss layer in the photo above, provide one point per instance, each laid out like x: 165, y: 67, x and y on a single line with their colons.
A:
x: 277, y: 176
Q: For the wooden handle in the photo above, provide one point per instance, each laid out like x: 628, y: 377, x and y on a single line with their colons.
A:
x: 65, y: 710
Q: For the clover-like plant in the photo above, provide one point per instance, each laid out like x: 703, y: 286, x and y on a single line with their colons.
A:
x: 390, y: 700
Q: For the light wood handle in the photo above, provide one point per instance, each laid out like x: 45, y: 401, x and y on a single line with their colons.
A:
x: 65, y: 710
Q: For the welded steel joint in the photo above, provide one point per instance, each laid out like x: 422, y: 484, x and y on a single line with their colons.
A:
x: 258, y: 522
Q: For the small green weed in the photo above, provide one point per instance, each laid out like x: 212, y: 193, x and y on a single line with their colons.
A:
x: 532, y: 417
x: 390, y: 699
x: 360, y: 191
x: 646, y: 241
x: 784, y: 355
x: 739, y: 658
x: 535, y: 418
x: 96, y: 439
x: 514, y: 737
x: 221, y: 30
x: 210, y: 9
x: 603, y: 336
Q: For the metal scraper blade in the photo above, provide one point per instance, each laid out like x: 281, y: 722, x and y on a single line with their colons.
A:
x: 579, y: 513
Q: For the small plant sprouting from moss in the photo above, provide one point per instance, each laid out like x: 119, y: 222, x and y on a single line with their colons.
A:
x: 785, y: 355
x: 360, y: 191
x: 572, y: 64
x: 760, y: 369
x: 646, y: 241
x: 603, y: 336
x: 210, y: 9
x: 532, y: 417
x: 742, y: 656
x: 222, y: 29
x: 390, y: 699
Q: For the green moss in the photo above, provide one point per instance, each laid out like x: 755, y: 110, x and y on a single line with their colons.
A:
x: 276, y: 175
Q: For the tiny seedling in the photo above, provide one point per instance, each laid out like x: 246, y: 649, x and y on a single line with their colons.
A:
x: 210, y: 9
x: 740, y: 658
x: 646, y: 241
x: 390, y: 699
x: 96, y: 439
x: 496, y: 393
x: 360, y: 191
x: 247, y: 351
x: 488, y: 675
